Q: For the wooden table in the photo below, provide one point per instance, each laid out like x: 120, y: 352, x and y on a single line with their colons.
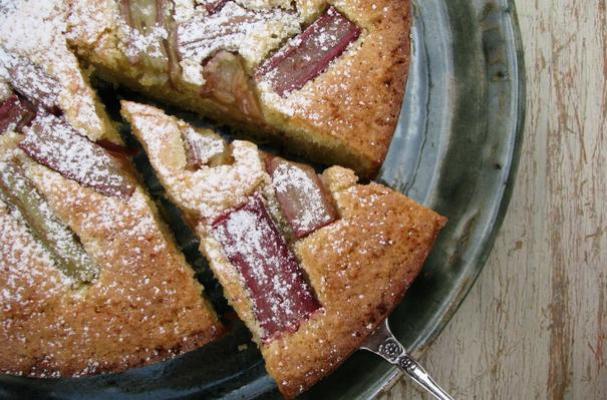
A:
x: 535, y: 324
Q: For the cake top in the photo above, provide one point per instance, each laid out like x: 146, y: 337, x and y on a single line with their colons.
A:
x: 326, y: 79
x: 85, y: 328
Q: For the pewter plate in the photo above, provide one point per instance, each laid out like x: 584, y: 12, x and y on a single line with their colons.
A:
x: 456, y: 150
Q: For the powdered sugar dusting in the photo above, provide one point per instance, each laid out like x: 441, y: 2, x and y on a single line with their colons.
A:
x: 208, y: 191
x: 30, y: 81
x: 201, y: 148
x: 145, y: 306
x: 281, y: 297
x: 34, y: 30
x: 292, y: 104
x: 307, y: 55
x: 301, y: 198
x: 67, y: 253
x: 53, y: 142
x: 27, y: 262
x: 235, y: 28
x: 5, y: 89
x: 148, y: 43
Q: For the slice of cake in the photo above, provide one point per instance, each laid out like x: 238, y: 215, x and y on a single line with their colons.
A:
x: 90, y: 279
x: 312, y: 264
x: 325, y: 78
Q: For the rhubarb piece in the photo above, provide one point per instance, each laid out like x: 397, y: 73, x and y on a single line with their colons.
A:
x: 301, y: 195
x: 15, y: 113
x: 204, y: 149
x: 213, y: 6
x: 201, y: 37
x: 67, y: 252
x: 139, y: 14
x: 309, y: 53
x: 227, y: 28
x: 169, y: 46
x: 152, y: 19
x: 227, y: 82
x: 117, y: 150
x: 51, y: 141
x: 164, y: 18
x: 30, y: 81
x: 280, y: 295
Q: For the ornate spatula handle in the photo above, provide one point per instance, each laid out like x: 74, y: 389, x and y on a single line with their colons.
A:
x: 383, y: 343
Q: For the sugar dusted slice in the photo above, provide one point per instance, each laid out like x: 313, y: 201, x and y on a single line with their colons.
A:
x: 280, y: 295
x: 67, y: 251
x: 15, y: 113
x: 301, y: 195
x: 359, y: 267
x: 51, y: 141
x: 309, y: 53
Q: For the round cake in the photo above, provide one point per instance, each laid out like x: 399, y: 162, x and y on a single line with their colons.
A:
x: 91, y: 279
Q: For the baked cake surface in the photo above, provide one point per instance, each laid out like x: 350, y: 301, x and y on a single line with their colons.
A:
x: 325, y: 78
x: 90, y: 279
x: 356, y: 263
x: 143, y: 307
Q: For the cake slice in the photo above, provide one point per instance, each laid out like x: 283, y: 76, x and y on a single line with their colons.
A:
x: 90, y: 278
x: 312, y: 264
x: 324, y: 78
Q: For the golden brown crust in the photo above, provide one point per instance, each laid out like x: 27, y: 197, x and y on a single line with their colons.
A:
x: 353, y: 107
x: 360, y: 267
x: 347, y: 115
x: 144, y: 307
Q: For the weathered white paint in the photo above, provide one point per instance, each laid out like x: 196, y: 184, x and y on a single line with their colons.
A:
x: 535, y: 324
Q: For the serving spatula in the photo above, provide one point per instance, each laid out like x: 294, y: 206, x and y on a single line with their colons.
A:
x: 383, y: 343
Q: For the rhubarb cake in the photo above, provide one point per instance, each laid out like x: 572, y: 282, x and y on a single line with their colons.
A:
x: 324, y: 78
x: 90, y: 278
x: 311, y: 263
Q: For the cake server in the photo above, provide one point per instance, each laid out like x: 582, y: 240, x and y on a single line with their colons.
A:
x: 383, y: 343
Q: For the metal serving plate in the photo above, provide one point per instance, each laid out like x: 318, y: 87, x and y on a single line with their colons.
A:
x: 455, y: 150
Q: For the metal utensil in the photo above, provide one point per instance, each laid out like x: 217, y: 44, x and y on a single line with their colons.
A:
x: 383, y: 343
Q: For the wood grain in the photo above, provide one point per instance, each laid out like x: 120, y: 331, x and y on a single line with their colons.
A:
x: 535, y: 324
